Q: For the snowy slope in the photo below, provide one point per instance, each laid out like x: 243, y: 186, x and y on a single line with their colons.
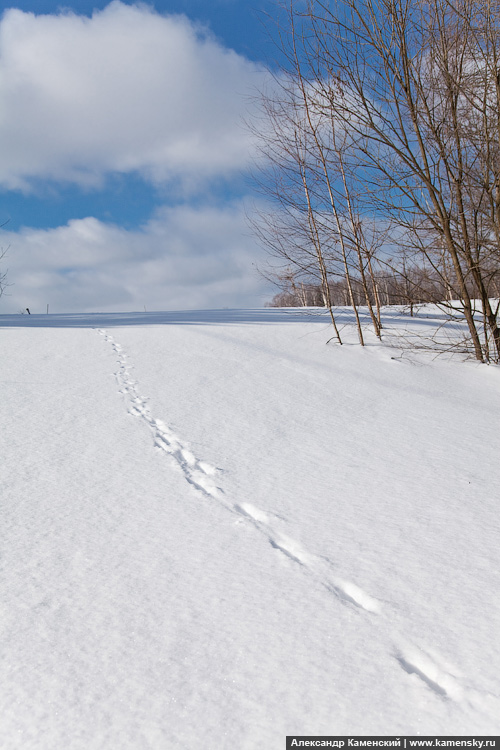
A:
x: 217, y: 531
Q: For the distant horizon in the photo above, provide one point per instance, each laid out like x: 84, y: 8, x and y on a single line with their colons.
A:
x: 211, y: 315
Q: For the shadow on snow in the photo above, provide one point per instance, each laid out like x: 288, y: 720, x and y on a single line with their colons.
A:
x: 344, y: 315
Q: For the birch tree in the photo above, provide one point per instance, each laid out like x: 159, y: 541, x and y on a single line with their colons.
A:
x: 394, y: 106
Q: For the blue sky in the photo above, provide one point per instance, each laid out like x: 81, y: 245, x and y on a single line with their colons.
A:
x: 124, y: 157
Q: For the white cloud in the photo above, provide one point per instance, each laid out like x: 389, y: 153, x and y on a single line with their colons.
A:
x: 182, y: 258
x: 127, y: 90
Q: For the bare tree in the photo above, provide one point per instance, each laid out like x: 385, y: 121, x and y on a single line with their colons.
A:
x: 293, y: 231
x: 403, y: 75
x: 316, y: 226
x: 395, y: 110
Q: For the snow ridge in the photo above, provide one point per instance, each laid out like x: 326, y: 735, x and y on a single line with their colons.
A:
x: 417, y: 662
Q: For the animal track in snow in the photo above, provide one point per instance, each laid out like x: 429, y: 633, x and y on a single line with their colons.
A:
x: 442, y: 678
x: 412, y: 660
x: 416, y: 662
x: 290, y: 548
x: 198, y: 473
x: 354, y: 594
x: 252, y: 512
x: 318, y: 567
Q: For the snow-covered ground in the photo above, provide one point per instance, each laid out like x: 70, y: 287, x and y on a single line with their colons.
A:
x: 216, y: 530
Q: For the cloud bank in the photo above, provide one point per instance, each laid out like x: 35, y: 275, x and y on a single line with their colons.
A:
x: 183, y: 258
x: 127, y: 90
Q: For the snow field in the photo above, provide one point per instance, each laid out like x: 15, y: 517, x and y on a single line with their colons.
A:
x: 226, y: 531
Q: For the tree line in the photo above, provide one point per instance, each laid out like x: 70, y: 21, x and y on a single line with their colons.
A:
x: 413, y: 287
x: 380, y: 144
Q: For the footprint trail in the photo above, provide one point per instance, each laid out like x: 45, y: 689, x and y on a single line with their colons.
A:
x: 414, y: 661
x: 199, y: 474
x: 320, y: 569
